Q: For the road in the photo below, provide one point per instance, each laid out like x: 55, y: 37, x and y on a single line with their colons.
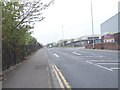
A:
x: 84, y: 68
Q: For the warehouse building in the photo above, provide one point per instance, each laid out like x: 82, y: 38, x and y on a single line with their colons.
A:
x: 110, y: 28
x: 110, y: 25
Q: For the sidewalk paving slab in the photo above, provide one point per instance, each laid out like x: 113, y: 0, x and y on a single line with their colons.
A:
x: 33, y: 73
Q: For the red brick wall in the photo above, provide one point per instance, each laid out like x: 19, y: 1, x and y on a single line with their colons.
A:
x: 110, y: 46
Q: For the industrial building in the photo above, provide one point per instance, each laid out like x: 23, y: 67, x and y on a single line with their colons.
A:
x: 110, y: 25
x: 80, y: 42
x: 110, y: 28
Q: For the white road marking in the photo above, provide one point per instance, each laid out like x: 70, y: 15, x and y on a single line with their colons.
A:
x: 98, y: 64
x: 89, y: 62
x: 107, y: 63
x: 89, y: 56
x: 66, y: 84
x: 76, y: 53
x: 94, y: 56
x: 104, y: 67
x: 104, y: 61
x: 74, y: 57
x: 95, y: 60
x: 58, y: 78
x: 56, y: 55
x: 114, y: 68
x: 68, y: 55
x: 100, y: 56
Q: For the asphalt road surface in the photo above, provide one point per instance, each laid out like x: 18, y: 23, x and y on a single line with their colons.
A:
x: 84, y: 68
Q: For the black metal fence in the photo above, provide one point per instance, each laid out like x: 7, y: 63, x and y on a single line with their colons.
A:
x: 12, y: 55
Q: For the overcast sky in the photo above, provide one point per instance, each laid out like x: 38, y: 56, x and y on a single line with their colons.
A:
x: 75, y: 16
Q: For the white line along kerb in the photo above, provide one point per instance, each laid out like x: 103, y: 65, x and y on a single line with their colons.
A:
x: 56, y: 55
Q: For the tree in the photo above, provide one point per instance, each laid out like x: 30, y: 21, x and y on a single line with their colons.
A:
x: 18, y: 18
x: 31, y: 11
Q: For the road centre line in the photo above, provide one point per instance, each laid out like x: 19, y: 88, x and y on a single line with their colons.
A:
x: 56, y: 55
x: 76, y: 53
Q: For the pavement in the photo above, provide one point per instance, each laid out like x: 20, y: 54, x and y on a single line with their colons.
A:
x: 33, y: 73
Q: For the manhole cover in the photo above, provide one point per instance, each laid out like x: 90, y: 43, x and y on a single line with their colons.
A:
x: 37, y: 67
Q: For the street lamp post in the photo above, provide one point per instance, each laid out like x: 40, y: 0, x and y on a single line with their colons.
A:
x: 62, y: 33
x: 62, y: 36
x: 92, y: 26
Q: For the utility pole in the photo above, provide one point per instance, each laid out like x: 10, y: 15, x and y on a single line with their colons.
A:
x: 62, y: 33
x: 92, y: 26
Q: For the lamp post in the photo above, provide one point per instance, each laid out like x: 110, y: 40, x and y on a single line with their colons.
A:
x: 62, y: 33
x: 92, y: 26
x: 62, y: 36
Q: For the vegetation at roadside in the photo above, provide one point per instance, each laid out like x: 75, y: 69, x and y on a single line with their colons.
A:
x: 18, y: 19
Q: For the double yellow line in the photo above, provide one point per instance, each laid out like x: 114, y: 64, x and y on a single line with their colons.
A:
x: 63, y: 83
